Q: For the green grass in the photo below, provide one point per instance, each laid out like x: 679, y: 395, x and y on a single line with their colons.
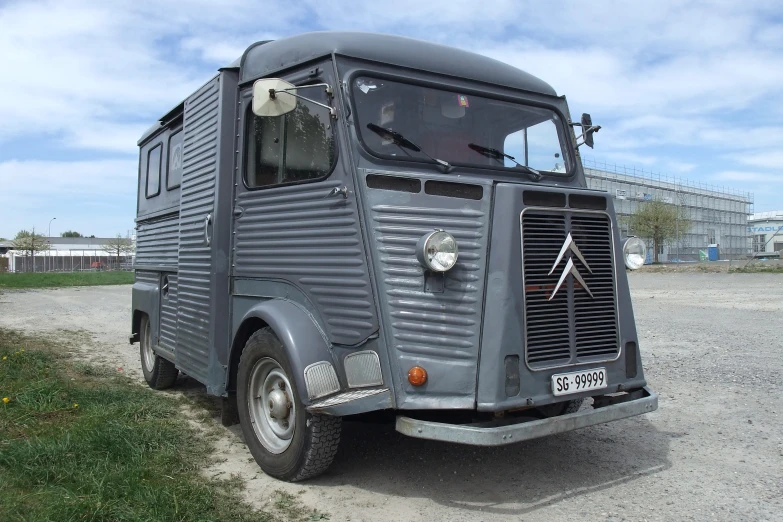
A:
x: 758, y: 269
x: 79, y: 444
x: 61, y: 279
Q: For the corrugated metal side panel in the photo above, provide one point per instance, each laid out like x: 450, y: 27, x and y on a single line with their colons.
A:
x: 441, y: 326
x: 197, y: 201
x: 168, y: 315
x: 157, y: 241
x: 147, y: 277
x: 439, y: 330
x: 296, y: 234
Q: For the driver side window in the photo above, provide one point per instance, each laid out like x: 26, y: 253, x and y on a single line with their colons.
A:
x: 296, y: 147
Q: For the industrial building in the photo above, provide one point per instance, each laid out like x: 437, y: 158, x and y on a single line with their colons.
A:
x: 766, y: 229
x: 65, y: 254
x: 718, y: 216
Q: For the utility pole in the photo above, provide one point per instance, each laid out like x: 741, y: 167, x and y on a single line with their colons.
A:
x: 49, y: 237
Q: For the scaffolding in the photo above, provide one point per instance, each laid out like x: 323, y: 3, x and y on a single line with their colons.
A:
x: 717, y: 215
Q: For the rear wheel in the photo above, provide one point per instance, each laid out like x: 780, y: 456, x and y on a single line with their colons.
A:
x: 287, y: 442
x: 158, y: 372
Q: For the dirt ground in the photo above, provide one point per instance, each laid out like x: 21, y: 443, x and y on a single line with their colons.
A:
x: 712, y: 346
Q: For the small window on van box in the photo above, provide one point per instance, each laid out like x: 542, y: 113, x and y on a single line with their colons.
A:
x: 153, y: 170
x: 174, y: 172
x: 298, y: 146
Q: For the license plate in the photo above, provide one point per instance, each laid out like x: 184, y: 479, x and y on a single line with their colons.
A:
x: 577, y: 382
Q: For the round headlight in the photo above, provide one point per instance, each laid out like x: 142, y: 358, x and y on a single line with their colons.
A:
x: 634, y: 252
x: 437, y: 251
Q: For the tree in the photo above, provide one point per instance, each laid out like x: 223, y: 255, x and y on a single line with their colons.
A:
x: 660, y: 222
x: 29, y: 244
x: 70, y: 233
x: 118, y: 246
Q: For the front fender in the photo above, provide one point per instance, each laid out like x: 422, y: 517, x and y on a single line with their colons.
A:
x: 304, y: 342
x: 145, y: 298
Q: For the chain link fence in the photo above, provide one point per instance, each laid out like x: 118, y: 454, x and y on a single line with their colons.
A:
x: 75, y: 262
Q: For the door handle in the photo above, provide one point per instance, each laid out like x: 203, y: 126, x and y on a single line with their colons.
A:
x: 342, y: 191
x: 207, y: 223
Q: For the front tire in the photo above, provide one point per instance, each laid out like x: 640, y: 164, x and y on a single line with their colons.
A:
x: 286, y: 441
x: 158, y: 372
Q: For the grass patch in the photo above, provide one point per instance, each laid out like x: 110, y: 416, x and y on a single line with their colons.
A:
x: 759, y: 269
x: 79, y: 444
x: 62, y: 279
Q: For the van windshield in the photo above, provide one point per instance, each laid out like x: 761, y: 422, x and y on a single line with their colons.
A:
x: 458, y: 128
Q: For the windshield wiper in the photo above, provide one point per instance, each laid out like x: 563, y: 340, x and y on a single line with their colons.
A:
x: 497, y: 155
x: 404, y: 143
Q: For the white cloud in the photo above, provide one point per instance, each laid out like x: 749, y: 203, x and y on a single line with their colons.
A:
x: 764, y: 158
x: 685, y: 86
x: 95, y: 197
x: 680, y: 167
x: 735, y: 175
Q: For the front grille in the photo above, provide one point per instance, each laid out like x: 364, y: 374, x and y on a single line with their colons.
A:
x: 572, y: 327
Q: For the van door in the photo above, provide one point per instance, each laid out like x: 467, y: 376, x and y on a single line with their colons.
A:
x: 296, y: 228
x: 204, y: 233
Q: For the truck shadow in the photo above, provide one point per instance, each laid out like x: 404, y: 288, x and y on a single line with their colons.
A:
x: 510, y: 480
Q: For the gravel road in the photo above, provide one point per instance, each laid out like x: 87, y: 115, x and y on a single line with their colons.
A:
x: 712, y: 346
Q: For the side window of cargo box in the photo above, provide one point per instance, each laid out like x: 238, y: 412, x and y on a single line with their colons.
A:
x: 293, y: 148
x: 153, y: 170
x: 174, y: 168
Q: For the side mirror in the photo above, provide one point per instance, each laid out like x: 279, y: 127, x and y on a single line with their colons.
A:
x: 588, y: 130
x: 273, y: 97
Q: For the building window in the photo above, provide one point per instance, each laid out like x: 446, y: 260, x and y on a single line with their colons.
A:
x: 759, y: 242
x: 711, y: 236
x: 174, y: 172
x: 296, y: 147
x: 153, y: 171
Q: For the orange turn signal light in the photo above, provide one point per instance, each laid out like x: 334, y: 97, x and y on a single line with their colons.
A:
x: 417, y: 376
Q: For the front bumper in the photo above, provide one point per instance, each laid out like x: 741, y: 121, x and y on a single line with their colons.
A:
x: 499, y: 435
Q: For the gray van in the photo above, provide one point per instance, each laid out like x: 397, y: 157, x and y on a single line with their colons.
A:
x: 343, y: 223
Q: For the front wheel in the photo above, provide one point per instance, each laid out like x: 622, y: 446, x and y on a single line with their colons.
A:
x: 287, y: 442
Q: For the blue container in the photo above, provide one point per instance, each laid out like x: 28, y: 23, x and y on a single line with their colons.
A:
x: 712, y: 253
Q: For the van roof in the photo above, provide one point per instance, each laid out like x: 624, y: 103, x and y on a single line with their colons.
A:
x: 264, y: 58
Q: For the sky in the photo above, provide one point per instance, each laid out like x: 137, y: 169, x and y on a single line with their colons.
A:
x: 682, y: 88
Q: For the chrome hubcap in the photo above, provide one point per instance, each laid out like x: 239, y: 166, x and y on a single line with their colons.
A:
x: 148, y: 359
x: 271, y: 407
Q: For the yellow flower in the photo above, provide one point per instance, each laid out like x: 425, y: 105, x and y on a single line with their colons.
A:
x: 6, y: 400
x: 75, y: 405
x: 5, y: 357
x: 21, y: 351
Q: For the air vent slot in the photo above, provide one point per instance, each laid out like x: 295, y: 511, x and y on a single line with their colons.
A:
x: 587, y: 202
x: 400, y: 184
x: 533, y: 198
x: 454, y: 190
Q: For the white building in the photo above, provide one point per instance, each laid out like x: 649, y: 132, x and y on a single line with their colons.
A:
x: 66, y: 254
x: 766, y: 228
x: 717, y: 216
